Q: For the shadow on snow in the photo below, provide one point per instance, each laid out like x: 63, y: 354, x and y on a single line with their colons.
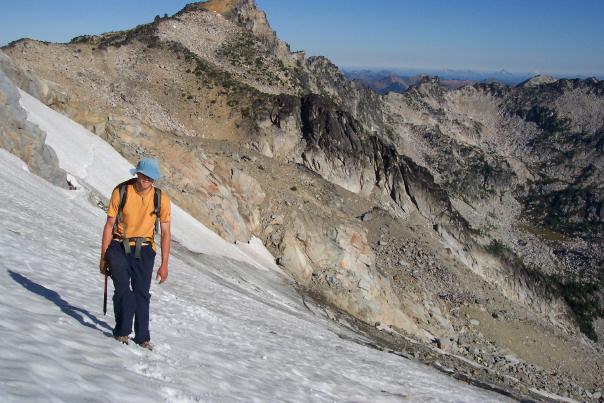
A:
x: 66, y: 307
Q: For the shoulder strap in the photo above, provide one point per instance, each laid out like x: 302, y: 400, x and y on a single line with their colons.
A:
x: 157, y: 208
x: 123, y: 189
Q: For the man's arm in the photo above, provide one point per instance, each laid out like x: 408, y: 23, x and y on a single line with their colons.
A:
x: 162, y: 272
x: 107, y: 235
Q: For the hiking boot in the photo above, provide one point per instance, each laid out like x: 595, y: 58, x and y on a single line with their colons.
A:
x: 122, y: 339
x: 146, y: 344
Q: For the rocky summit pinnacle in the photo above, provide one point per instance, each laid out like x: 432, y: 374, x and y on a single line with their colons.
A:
x: 224, y: 7
x: 244, y: 13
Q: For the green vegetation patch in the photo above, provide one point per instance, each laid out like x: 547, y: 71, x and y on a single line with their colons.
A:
x: 546, y: 119
x: 545, y: 234
x: 145, y: 33
x: 471, y: 174
x: 572, y: 210
x: 584, y: 298
x: 246, y: 51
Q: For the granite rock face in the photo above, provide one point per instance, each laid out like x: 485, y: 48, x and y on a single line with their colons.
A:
x: 19, y: 136
x: 46, y: 91
x: 523, y: 165
x: 223, y: 197
x: 337, y: 265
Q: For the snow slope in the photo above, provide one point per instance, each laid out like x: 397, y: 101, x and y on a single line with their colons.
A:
x: 225, y: 330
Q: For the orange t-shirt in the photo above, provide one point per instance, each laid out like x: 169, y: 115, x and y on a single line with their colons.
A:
x: 138, y: 214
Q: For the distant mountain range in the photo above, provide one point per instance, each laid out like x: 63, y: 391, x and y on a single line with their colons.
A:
x: 398, y: 80
x: 384, y: 82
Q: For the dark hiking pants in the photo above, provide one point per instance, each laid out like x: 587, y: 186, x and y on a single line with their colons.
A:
x: 131, y: 280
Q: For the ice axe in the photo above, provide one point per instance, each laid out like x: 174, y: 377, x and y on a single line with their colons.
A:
x: 105, y: 297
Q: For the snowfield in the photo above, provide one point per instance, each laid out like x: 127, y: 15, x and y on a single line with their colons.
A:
x: 228, y: 325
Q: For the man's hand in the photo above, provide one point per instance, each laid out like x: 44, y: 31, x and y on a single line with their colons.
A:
x: 162, y: 273
x: 104, y: 266
x: 107, y: 235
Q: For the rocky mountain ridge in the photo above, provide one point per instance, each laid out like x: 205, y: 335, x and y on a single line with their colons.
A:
x: 384, y: 82
x: 411, y: 210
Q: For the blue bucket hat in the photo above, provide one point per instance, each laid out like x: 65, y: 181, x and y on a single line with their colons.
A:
x: 148, y: 167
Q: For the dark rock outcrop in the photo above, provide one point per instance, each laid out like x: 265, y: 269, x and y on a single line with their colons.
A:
x: 320, y: 76
x: 342, y: 150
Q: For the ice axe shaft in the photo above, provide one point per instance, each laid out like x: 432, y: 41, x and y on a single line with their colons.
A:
x: 105, y: 297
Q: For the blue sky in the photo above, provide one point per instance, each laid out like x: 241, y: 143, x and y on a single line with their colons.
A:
x: 554, y: 36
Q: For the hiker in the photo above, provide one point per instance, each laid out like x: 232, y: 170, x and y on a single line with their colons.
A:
x: 128, y: 249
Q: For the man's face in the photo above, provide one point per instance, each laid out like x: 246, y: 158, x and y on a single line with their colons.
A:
x: 144, y: 181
